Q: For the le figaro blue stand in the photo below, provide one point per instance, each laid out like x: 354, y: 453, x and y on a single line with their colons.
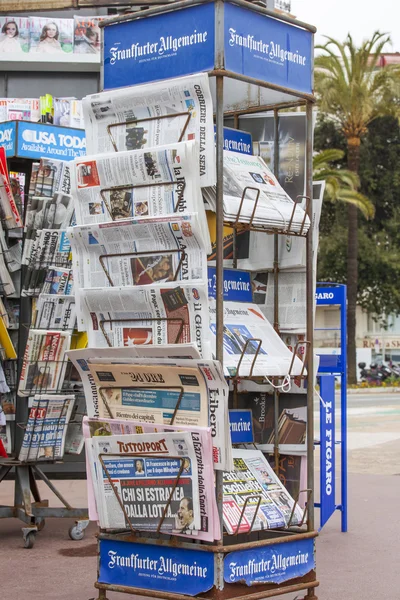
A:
x: 256, y: 60
x: 331, y: 366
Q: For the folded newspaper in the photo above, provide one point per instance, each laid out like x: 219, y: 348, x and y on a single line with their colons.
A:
x: 143, y: 315
x: 152, y: 115
x: 149, y: 481
x: 164, y: 357
x: 46, y: 429
x: 140, y: 251
x: 254, y: 498
x: 50, y: 248
x: 157, y: 182
x: 54, y: 312
x: 248, y: 177
x: 251, y: 340
x: 44, y: 363
x: 58, y: 281
x: 202, y: 444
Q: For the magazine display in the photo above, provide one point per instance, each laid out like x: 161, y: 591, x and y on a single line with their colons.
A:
x: 137, y: 183
x: 182, y: 356
x: 253, y: 477
x: 51, y: 36
x: 44, y: 363
x: 144, y: 315
x: 68, y: 112
x: 87, y: 39
x: 202, y: 444
x: 146, y: 482
x: 134, y: 109
x: 55, y: 312
x: 14, y: 35
x: 123, y: 252
x: 274, y: 207
x: 245, y: 324
x: 45, y: 432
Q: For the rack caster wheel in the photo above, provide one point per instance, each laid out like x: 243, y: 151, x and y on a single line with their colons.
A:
x: 40, y: 523
x: 77, y: 531
x: 29, y: 540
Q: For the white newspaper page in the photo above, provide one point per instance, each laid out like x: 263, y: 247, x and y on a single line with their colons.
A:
x: 254, y: 478
x: 183, y: 110
x: 292, y: 301
x: 265, y: 353
x: 201, y: 438
x: 144, y: 470
x: 55, y: 312
x: 145, y: 315
x: 140, y: 251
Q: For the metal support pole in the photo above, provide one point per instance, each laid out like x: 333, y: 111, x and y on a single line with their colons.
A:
x: 310, y: 322
x: 276, y: 292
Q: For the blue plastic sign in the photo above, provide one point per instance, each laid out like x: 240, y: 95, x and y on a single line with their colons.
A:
x: 237, y: 285
x: 170, y: 45
x: 7, y: 137
x: 267, y: 49
x: 37, y: 140
x: 271, y: 564
x: 241, y: 426
x: 327, y: 447
x: 330, y: 295
x: 236, y: 140
x: 162, y: 568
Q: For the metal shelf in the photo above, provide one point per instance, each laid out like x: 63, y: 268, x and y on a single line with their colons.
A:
x: 78, y: 63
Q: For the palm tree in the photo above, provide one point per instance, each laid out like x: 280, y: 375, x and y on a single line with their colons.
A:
x: 353, y: 91
x: 341, y: 184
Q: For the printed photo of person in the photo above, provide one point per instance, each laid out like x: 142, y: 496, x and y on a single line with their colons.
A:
x: 48, y: 41
x: 184, y: 516
x: 139, y: 468
x: 9, y: 39
x: 135, y: 138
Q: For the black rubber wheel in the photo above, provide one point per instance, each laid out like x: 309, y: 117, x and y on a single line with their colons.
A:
x: 30, y: 539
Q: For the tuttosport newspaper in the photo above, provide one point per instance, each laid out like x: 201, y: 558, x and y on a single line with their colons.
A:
x: 46, y: 429
x: 243, y: 322
x: 140, y: 251
x: 185, y: 111
x: 253, y: 478
x: 146, y: 481
x: 44, y: 363
x: 54, y: 312
x: 164, y: 357
x: 138, y: 183
x: 274, y: 207
x: 144, y: 315
x: 202, y: 444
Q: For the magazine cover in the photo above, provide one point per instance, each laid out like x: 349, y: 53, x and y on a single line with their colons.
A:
x: 87, y: 34
x: 14, y: 35
x: 51, y: 36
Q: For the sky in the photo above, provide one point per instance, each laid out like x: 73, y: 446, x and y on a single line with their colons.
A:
x: 361, y: 18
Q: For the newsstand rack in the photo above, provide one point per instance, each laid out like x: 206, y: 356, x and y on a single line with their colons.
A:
x: 257, y: 60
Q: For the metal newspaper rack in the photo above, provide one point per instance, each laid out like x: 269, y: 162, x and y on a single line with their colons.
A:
x: 241, y: 84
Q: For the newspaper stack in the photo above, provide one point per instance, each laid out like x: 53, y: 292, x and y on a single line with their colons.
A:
x: 249, y: 339
x: 248, y: 177
x: 122, y: 252
x: 146, y: 116
x: 171, y: 363
x: 254, y: 498
x: 143, y: 315
x: 54, y: 312
x: 44, y: 363
x: 45, y: 432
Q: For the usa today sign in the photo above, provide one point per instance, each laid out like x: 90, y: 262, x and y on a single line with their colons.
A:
x: 34, y: 140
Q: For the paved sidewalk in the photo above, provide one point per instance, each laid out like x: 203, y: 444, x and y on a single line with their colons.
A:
x: 359, y: 565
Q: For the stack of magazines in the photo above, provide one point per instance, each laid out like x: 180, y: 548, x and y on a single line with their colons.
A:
x: 253, y: 195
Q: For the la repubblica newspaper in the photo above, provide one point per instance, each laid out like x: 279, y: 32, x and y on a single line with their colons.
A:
x: 140, y: 251
x: 202, y: 446
x: 153, y: 115
x: 255, y: 480
x: 137, y: 183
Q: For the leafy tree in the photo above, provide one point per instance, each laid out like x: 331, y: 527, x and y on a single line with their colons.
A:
x: 354, y: 92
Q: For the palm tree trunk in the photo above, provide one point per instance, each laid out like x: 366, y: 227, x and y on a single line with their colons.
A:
x: 353, y: 161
